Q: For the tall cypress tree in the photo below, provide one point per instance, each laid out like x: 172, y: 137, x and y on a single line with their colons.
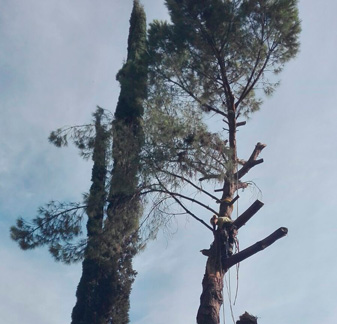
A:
x: 112, y: 239
x: 124, y: 208
x: 85, y: 310
x: 118, y: 243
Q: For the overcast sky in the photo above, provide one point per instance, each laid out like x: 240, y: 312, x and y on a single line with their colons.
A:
x: 58, y: 60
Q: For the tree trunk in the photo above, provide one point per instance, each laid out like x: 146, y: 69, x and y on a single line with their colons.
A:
x: 211, y: 298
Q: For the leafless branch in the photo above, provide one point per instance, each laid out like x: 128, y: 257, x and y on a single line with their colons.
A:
x: 257, y: 247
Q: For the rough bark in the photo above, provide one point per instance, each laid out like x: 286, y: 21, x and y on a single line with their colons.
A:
x: 220, y: 255
x: 246, y: 318
x: 211, y: 298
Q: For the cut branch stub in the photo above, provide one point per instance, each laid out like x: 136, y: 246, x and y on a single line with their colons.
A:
x: 248, y: 214
x: 243, y: 123
x: 257, y: 247
x: 252, y: 161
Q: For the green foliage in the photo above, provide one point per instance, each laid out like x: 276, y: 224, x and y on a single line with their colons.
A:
x: 219, y: 51
x: 60, y: 225
x: 214, y: 54
x: 178, y: 142
x: 82, y: 136
x: 133, y: 75
x: 57, y: 226
x: 104, y: 290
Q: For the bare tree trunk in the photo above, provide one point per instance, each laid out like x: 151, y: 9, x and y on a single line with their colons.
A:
x: 220, y: 255
x: 211, y: 298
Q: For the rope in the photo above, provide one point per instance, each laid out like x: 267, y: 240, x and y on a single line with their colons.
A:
x: 237, y: 249
x: 228, y: 286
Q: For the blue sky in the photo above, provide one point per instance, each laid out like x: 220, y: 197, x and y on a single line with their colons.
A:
x: 58, y: 60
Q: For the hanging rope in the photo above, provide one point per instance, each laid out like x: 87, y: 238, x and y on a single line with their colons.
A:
x: 237, y: 249
x: 229, y: 293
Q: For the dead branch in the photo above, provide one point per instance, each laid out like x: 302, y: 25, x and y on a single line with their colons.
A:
x: 252, y: 161
x: 248, y: 214
x: 241, y: 124
x: 257, y: 247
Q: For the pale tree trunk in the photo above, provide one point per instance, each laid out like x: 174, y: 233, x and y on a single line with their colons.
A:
x: 211, y: 298
x: 220, y: 256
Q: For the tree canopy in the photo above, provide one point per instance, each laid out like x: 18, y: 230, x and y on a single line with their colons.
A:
x: 215, y: 59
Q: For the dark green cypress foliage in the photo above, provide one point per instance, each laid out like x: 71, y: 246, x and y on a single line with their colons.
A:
x: 85, y: 308
x: 113, y: 215
x: 124, y: 209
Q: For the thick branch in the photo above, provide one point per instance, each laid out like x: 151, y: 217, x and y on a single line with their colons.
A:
x: 251, y: 161
x: 248, y: 214
x: 257, y: 247
x: 241, y: 124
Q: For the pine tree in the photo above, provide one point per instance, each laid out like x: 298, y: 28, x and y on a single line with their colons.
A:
x: 221, y: 56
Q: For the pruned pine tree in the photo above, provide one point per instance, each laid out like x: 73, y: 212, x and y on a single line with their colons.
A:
x: 219, y: 57
x: 113, y: 205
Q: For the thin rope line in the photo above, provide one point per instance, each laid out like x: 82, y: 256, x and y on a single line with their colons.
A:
x: 229, y: 295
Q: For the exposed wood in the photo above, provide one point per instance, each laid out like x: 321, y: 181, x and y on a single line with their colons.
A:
x: 241, y: 185
x: 230, y: 203
x: 257, y: 247
x: 234, y: 200
x: 248, y: 214
x: 241, y: 161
